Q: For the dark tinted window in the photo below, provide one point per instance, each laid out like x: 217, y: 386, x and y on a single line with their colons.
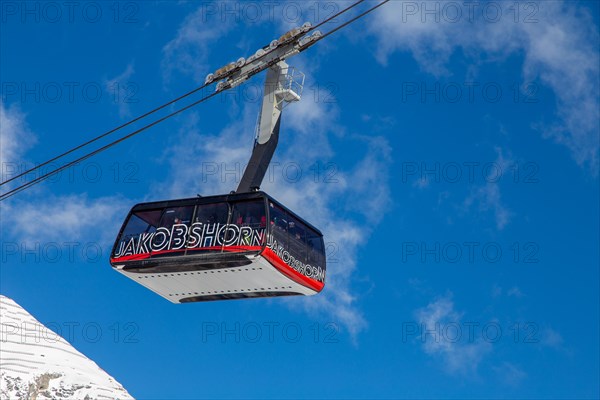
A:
x: 316, y: 251
x: 172, y: 233
x: 301, y: 242
x: 212, y: 213
x: 249, y: 213
x: 296, y: 238
x: 247, y: 225
x: 176, y: 215
x: 206, y: 229
x: 138, y: 224
x: 279, y: 224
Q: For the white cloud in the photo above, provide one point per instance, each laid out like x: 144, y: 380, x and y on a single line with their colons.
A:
x: 120, y: 88
x: 65, y: 218
x: 322, y: 204
x: 207, y: 163
x: 510, y: 374
x: 35, y: 216
x: 189, y: 51
x: 558, y: 41
x: 457, y: 357
x: 346, y: 206
x: 515, y: 292
x: 370, y: 178
x: 487, y: 197
x: 551, y: 338
x: 421, y: 183
x: 496, y: 291
x: 15, y: 136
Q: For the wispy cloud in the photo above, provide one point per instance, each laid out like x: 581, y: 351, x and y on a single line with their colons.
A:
x: 551, y: 338
x: 120, y: 88
x: 488, y: 197
x: 37, y: 216
x: 457, y: 357
x: 498, y: 291
x: 346, y: 226
x: 65, y: 218
x: 514, y: 292
x: 558, y: 40
x: 510, y: 374
x: 15, y: 136
x: 189, y: 51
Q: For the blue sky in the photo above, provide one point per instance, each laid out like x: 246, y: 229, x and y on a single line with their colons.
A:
x: 449, y: 154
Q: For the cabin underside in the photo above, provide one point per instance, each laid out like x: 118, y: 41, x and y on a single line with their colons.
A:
x: 257, y: 278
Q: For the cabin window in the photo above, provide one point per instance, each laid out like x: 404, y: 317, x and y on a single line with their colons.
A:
x: 249, y: 213
x: 176, y: 216
x: 212, y: 213
x: 138, y: 224
x: 279, y: 224
x: 296, y: 238
x: 247, y: 225
x: 316, y: 251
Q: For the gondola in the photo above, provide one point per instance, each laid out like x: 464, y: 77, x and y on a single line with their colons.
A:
x: 241, y: 245
x: 220, y: 247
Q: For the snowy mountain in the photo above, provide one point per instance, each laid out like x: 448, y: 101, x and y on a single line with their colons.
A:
x: 37, y: 364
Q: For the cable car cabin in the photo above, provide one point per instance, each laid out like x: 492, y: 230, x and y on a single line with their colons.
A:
x: 221, y: 247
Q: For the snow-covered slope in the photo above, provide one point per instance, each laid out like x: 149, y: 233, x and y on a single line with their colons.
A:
x: 37, y: 364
